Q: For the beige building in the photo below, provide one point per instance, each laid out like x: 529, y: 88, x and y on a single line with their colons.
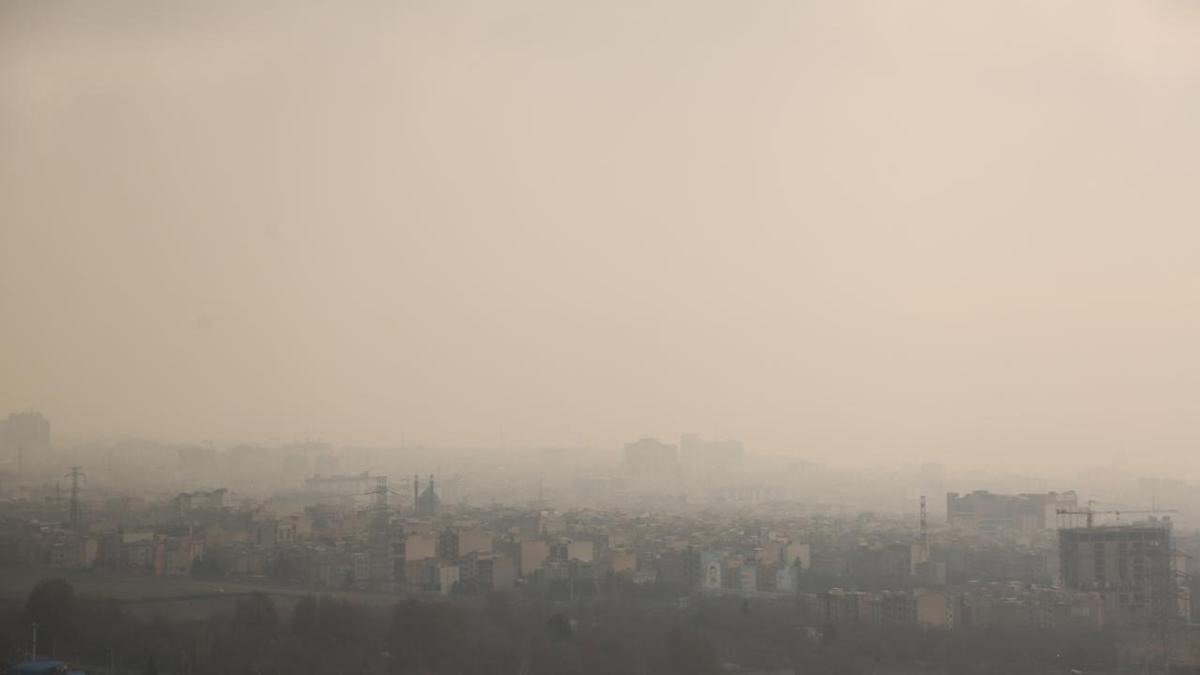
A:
x: 474, y: 541
x: 794, y: 553
x: 582, y: 551
x: 621, y: 561
x: 181, y: 554
x: 935, y: 609
x: 533, y: 554
x: 420, y: 547
x: 447, y: 577
x: 489, y: 571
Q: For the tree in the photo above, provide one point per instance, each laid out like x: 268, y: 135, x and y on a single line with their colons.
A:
x: 304, y: 618
x: 428, y: 637
x: 558, y: 629
x: 690, y: 654
x: 255, y: 617
x: 207, y: 567
x: 498, y: 608
x: 52, y: 605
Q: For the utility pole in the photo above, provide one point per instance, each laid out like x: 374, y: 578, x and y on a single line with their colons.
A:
x: 33, y: 656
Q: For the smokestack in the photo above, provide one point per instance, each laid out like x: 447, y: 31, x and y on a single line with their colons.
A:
x: 416, y: 490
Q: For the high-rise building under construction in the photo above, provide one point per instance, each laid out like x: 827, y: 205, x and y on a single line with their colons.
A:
x: 1130, y: 566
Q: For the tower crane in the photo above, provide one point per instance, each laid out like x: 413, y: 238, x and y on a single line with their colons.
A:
x: 1090, y: 512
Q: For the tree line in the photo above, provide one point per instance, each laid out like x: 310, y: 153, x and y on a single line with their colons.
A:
x: 503, y: 633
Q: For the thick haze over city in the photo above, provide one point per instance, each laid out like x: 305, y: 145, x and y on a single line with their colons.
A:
x: 859, y: 233
x: 609, y: 337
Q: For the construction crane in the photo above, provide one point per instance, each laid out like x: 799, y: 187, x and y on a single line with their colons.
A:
x: 1090, y: 513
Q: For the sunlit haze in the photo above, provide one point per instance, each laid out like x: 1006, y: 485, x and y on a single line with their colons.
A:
x: 858, y: 233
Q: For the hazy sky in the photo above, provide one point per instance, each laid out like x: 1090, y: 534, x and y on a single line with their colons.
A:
x: 857, y: 231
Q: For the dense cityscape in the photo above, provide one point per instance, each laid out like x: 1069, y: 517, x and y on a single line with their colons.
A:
x: 687, y: 537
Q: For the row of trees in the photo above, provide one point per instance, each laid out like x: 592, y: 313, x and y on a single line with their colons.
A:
x: 318, y: 635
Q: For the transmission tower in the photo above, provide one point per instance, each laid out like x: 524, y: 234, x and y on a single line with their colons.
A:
x: 924, y: 524
x: 379, y: 539
x: 75, y: 518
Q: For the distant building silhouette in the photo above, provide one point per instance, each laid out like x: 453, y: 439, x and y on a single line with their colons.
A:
x: 24, y: 436
x: 697, y: 453
x: 988, y: 513
x: 651, y: 458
